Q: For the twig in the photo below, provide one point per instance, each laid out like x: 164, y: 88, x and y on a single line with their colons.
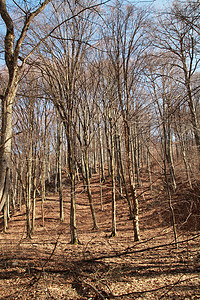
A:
x: 45, y: 263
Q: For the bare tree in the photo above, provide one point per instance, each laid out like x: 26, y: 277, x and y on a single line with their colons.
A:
x: 124, y: 40
x: 13, y: 49
x: 174, y: 36
x: 61, y: 73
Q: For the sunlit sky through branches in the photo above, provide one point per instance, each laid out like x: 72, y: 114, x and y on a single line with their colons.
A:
x: 157, y: 4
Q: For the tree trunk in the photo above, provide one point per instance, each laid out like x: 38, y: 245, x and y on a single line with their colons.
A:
x: 6, y: 135
x: 95, y: 225
x: 131, y: 182
x: 192, y: 108
x: 43, y: 175
x: 33, y: 204
x: 59, y: 169
x: 95, y: 154
x: 71, y: 167
x: 124, y: 179
x: 112, y: 159
x: 101, y: 156
x: 29, y: 188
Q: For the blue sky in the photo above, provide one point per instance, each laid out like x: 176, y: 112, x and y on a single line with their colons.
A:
x: 157, y: 3
x: 161, y: 3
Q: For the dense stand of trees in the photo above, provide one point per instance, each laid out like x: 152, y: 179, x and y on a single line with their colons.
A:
x: 110, y: 89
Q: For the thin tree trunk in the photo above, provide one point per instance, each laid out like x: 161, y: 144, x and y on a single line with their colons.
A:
x: 108, y: 149
x: 118, y: 166
x: 34, y: 204
x: 71, y: 166
x: 171, y: 211
x: 149, y: 170
x: 73, y: 227
x: 95, y: 225
x: 100, y: 184
x: 112, y: 157
x: 29, y: 188
x: 95, y: 154
x: 193, y: 112
x: 132, y: 186
x: 101, y: 156
x: 5, y: 216
x: 124, y: 179
x: 59, y: 169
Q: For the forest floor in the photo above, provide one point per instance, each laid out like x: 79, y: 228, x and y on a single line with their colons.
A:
x: 100, y: 267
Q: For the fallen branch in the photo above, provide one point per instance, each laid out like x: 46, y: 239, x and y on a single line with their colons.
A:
x: 128, y: 251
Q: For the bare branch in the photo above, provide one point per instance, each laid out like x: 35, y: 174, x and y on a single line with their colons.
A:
x: 65, y: 21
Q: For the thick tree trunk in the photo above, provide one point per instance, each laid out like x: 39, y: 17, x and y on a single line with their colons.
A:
x: 5, y: 144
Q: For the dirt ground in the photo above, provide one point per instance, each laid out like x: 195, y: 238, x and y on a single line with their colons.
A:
x: 100, y: 267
